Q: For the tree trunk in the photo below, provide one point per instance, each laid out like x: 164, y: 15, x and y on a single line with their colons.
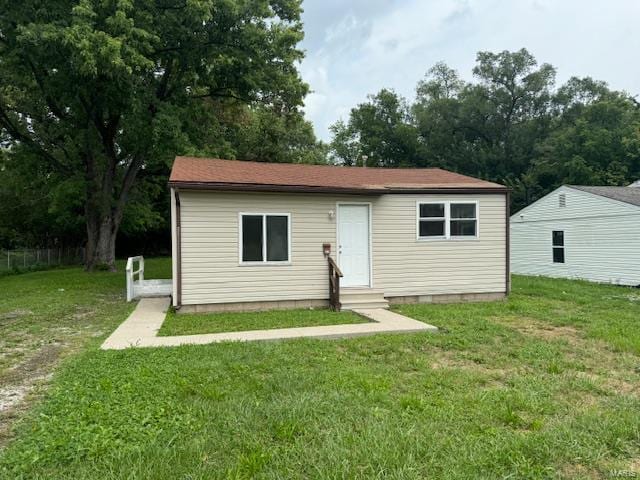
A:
x: 101, y: 242
x: 104, y: 207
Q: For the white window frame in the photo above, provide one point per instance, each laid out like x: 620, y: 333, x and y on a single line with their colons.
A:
x: 264, y: 261
x: 447, y: 220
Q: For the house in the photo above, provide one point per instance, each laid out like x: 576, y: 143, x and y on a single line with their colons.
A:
x: 251, y: 235
x: 584, y: 232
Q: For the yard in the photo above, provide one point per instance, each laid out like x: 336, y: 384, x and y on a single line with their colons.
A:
x: 195, y: 323
x: 544, y: 385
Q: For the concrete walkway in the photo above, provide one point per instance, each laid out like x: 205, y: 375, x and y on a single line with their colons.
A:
x: 141, y: 328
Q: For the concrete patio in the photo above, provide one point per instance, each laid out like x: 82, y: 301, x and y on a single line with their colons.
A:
x: 141, y: 328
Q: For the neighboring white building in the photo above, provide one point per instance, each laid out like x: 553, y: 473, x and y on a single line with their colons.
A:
x: 250, y: 235
x: 592, y: 233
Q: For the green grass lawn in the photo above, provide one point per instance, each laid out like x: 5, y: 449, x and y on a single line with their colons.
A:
x: 544, y: 385
x: 46, y: 316
x: 62, y: 306
x: 194, y: 323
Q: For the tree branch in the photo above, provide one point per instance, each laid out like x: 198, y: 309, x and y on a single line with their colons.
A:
x: 162, y: 90
x: 171, y: 7
x: 127, y: 183
x: 222, y: 95
x: 179, y: 48
x: 15, y: 132
x: 50, y: 103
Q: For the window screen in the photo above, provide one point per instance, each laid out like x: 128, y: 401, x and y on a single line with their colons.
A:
x: 432, y: 220
x: 463, y: 220
x: 265, y: 238
x: 252, y: 238
x: 277, y: 239
x: 557, y: 241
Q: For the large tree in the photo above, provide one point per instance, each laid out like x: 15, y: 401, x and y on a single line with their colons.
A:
x: 437, y: 111
x: 99, y: 90
x: 274, y: 135
x: 514, y: 95
x: 379, y: 130
x: 594, y: 141
x: 508, y: 125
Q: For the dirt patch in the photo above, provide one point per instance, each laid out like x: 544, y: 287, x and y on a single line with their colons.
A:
x: 622, y: 387
x: 631, y: 297
x: 82, y: 312
x: 612, y: 371
x: 34, y: 366
x: 444, y: 359
x: 13, y: 316
x: 578, y: 471
x: 536, y: 328
x: 550, y: 332
x: 12, y: 395
x: 17, y: 383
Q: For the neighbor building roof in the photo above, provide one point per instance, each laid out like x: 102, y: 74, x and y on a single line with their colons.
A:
x: 623, y: 194
x: 211, y: 173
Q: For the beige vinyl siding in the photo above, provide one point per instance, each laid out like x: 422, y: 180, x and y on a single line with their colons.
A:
x: 401, y: 264
x: 211, y: 270
x: 404, y: 265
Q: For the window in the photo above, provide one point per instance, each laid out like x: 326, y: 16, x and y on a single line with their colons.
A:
x: 463, y: 219
x: 433, y: 220
x: 447, y: 220
x: 264, y: 238
x: 557, y: 240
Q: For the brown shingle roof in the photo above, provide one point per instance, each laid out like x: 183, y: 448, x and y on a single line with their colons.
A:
x: 240, y: 175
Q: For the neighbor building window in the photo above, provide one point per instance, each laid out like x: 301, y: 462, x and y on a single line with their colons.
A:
x: 447, y: 220
x: 264, y: 237
x: 557, y: 239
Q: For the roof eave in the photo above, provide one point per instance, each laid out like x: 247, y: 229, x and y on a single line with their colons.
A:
x: 244, y: 187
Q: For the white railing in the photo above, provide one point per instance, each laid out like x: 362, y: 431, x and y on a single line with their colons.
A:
x: 131, y: 273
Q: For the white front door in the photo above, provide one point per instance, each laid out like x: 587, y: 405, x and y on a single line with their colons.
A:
x: 353, y: 244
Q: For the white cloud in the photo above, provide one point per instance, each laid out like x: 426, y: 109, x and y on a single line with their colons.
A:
x: 356, y: 48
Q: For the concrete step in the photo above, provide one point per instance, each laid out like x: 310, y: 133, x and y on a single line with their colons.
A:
x: 152, y: 288
x: 363, y: 304
x: 357, y: 294
x: 358, y: 298
x: 362, y: 290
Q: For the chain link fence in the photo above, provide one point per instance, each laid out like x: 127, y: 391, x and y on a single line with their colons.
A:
x: 33, y: 258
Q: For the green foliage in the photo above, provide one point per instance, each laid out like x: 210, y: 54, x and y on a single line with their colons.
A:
x: 262, y: 134
x: 542, y: 385
x: 95, y: 94
x: 509, y: 126
x: 599, y: 146
x: 379, y: 131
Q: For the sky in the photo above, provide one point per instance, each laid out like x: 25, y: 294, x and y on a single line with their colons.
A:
x: 357, y: 47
